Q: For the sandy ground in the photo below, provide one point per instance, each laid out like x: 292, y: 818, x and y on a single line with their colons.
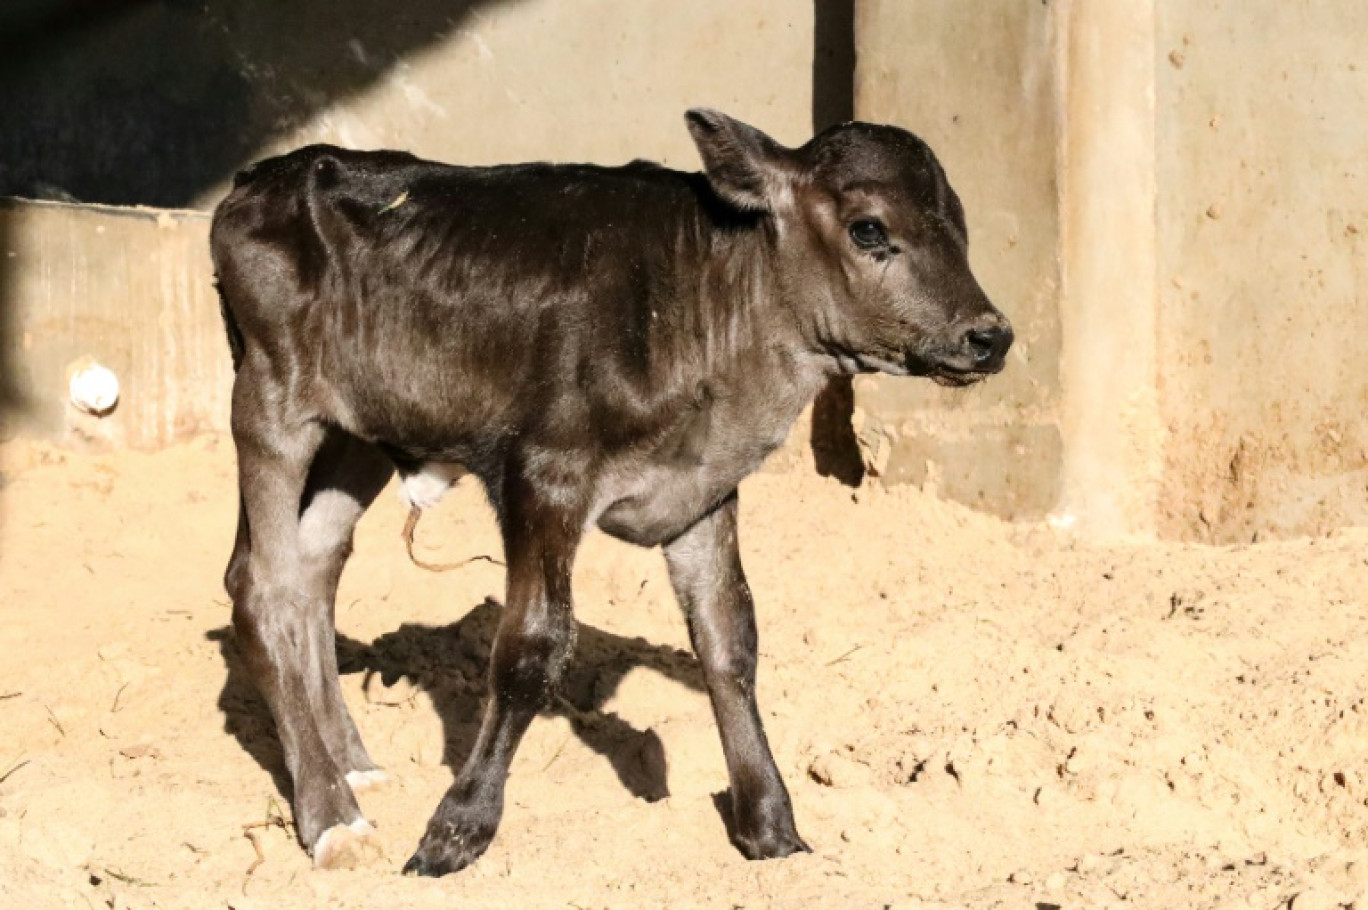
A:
x: 968, y: 713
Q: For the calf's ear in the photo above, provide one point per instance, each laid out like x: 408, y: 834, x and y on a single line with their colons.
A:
x: 745, y: 167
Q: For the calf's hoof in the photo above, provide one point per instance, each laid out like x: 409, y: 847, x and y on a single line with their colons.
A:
x: 455, y: 838
x: 347, y: 846
x: 774, y: 843
x: 762, y: 827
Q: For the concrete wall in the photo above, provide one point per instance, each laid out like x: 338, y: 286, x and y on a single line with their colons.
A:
x: 128, y: 288
x: 1263, y: 246
x: 976, y: 81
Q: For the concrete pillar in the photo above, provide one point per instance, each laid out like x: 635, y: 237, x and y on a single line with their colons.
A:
x: 1109, y: 416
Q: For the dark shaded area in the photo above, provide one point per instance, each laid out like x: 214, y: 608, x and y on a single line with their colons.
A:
x: 834, y: 447
x: 449, y: 663
x: 722, y: 802
x: 12, y: 401
x: 154, y: 101
x: 835, y: 450
x: 833, y: 62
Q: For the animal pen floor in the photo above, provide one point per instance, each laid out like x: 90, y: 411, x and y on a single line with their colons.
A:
x: 968, y: 713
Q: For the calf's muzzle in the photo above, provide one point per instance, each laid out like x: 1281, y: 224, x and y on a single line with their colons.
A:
x: 986, y: 345
x: 971, y: 350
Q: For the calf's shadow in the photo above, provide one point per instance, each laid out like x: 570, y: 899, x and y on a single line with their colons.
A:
x: 449, y: 663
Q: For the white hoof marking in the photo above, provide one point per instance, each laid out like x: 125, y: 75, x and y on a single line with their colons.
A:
x: 346, y: 846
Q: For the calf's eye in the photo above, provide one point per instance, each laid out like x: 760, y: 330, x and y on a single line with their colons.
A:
x: 868, y: 235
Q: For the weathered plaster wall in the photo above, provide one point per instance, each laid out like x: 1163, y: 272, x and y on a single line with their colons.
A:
x: 1262, y: 218
x: 129, y: 288
x: 977, y: 82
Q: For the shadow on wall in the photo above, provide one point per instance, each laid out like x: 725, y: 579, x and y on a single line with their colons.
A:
x: 11, y: 395
x: 834, y: 447
x: 79, y: 123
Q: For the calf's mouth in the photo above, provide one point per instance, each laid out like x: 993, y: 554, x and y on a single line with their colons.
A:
x: 952, y: 370
x: 956, y: 379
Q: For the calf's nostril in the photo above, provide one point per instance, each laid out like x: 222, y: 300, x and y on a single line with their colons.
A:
x: 985, y: 344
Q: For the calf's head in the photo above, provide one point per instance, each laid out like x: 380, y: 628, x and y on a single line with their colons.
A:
x: 869, y: 244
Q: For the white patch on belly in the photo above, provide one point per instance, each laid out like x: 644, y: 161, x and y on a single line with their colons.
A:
x: 427, y: 485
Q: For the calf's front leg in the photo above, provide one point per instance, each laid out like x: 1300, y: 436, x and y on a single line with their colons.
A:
x: 533, y: 642
x: 705, y: 569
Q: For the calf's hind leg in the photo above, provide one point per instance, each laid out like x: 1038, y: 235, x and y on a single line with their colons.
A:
x: 705, y: 570
x: 533, y: 642
x: 282, y: 621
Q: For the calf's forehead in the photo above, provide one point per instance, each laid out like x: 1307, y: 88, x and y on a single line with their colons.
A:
x: 876, y: 158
